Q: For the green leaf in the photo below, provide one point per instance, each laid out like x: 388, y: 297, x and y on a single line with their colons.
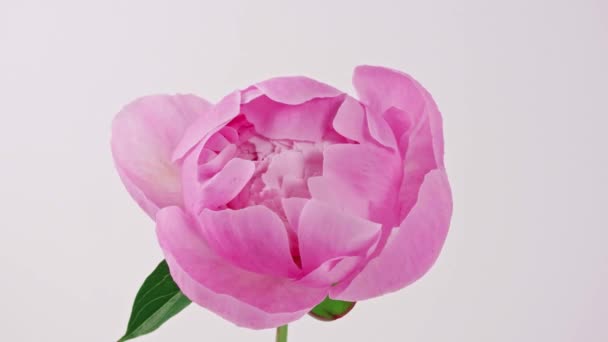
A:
x: 331, y: 309
x: 157, y: 300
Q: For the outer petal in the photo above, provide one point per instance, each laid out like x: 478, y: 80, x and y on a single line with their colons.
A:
x: 325, y: 233
x: 389, y: 93
x: 357, y: 173
x: 253, y: 238
x: 228, y: 307
x: 411, y: 249
x: 418, y: 162
x: 144, y: 134
x: 296, y: 90
x: 245, y: 298
x: 382, y: 88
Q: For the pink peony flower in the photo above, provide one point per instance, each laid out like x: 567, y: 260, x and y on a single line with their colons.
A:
x: 290, y: 191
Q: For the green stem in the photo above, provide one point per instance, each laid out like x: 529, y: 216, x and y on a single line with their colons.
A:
x: 282, y: 333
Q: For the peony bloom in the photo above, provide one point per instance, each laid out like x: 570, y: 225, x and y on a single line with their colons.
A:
x: 290, y: 191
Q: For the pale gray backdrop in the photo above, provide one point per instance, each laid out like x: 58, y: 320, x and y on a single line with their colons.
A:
x: 521, y: 83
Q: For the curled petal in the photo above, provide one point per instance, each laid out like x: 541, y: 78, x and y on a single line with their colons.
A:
x: 380, y: 129
x: 203, y: 128
x: 225, y: 185
x: 350, y: 120
x: 382, y: 88
x: 400, y: 123
x: 419, y: 132
x: 216, y: 163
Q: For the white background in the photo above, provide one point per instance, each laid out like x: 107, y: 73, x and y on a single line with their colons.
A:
x: 521, y: 84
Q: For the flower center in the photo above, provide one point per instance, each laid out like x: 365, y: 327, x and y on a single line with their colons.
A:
x: 282, y: 169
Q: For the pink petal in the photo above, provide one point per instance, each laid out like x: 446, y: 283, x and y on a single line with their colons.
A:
x: 325, y: 233
x: 295, y: 187
x: 419, y: 160
x: 411, y: 249
x: 247, y: 299
x: 379, y: 129
x: 202, y: 129
x: 313, y: 158
x: 339, y: 194
x: 332, y: 272
x: 308, y: 121
x: 191, y: 174
x: 225, y: 185
x: 400, y: 123
x: 382, y: 88
x: 369, y: 172
x: 218, y: 162
x: 144, y: 134
x: 435, y: 124
x: 250, y: 93
x: 226, y: 306
x: 392, y: 92
x: 296, y: 90
x: 293, y: 209
x: 350, y: 120
x: 217, y: 142
x: 230, y: 133
x: 288, y: 163
x: 253, y: 238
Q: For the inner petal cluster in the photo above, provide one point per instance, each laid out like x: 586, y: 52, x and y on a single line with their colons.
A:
x: 282, y: 169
